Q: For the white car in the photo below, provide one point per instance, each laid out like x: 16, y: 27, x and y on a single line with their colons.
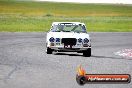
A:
x: 68, y: 36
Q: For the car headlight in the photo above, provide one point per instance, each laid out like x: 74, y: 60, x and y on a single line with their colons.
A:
x: 57, y: 39
x: 79, y: 40
x: 51, y: 39
x: 86, y: 40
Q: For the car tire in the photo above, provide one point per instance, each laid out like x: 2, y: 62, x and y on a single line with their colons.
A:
x: 87, y: 53
x: 49, y: 51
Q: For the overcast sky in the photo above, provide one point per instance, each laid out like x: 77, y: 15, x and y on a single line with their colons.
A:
x: 93, y: 1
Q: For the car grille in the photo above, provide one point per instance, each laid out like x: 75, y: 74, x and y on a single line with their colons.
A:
x: 69, y: 41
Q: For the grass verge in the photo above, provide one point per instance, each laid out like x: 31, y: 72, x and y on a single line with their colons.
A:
x: 38, y: 16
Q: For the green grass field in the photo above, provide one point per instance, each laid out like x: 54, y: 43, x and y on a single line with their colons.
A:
x: 30, y: 16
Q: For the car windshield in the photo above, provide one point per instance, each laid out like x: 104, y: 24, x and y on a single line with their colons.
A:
x: 69, y: 28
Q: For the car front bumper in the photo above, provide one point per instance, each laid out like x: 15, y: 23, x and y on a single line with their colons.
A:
x: 73, y: 49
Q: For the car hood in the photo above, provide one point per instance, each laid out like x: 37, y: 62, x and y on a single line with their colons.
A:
x: 67, y: 35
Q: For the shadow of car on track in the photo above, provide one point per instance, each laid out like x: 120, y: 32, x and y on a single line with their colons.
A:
x: 94, y: 56
x: 107, y: 57
x: 68, y: 54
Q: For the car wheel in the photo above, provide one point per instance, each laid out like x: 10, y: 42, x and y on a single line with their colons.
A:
x: 49, y: 51
x: 87, y: 53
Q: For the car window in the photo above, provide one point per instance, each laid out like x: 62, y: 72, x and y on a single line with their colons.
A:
x: 69, y: 28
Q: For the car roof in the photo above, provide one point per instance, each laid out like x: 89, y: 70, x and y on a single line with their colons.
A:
x: 77, y: 23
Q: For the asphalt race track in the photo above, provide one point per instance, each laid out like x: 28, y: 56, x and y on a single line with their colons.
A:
x: 24, y: 63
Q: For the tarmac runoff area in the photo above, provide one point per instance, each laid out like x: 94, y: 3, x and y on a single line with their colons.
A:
x: 25, y: 64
